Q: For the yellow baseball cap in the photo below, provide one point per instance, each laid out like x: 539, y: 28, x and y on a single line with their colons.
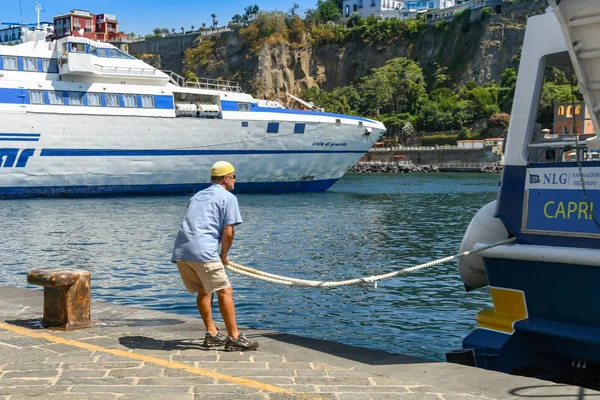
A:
x: 221, y: 168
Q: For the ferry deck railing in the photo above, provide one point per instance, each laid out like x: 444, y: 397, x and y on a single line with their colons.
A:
x: 204, y: 83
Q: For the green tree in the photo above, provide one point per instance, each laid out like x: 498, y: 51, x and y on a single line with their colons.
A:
x: 237, y: 19
x: 192, y: 28
x: 214, y: 22
x: 157, y: 31
x: 327, y: 10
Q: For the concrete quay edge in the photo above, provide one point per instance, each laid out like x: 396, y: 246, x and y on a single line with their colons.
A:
x: 135, y: 353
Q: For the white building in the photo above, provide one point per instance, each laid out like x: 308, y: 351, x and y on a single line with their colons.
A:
x: 12, y: 34
x: 392, y: 8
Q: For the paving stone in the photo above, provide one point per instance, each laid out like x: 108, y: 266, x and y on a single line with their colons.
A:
x: 82, y: 380
x: 324, y: 396
x: 362, y: 389
x: 103, y: 365
x: 64, y: 349
x: 24, y: 382
x: 333, y: 381
x: 300, y: 388
x: 249, y: 372
x: 407, y: 396
x: 471, y: 397
x: 99, y: 373
x: 382, y: 380
x: 135, y: 372
x: 22, y: 341
x: 193, y: 358
x: 165, y: 391
x: 171, y: 396
x: 30, y: 366
x: 235, y: 356
x: 177, y: 372
x: 72, y: 359
x: 224, y: 389
x: 251, y: 396
x: 33, y: 390
x: 177, y: 381
x: 46, y: 373
x: 346, y: 373
x: 268, y: 358
x: 291, y: 365
x: 277, y: 381
x: 229, y: 364
x: 354, y: 396
x: 103, y: 396
x: 311, y: 373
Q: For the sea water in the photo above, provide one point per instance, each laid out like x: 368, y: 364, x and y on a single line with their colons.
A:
x: 364, y: 225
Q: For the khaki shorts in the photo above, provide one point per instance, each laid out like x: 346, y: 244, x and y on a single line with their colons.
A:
x: 209, y: 276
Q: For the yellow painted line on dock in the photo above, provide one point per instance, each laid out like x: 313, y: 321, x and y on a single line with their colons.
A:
x: 158, y: 361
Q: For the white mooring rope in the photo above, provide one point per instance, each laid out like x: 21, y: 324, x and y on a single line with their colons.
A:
x: 282, y: 280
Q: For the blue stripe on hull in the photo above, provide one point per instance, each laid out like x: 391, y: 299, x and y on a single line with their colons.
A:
x: 170, y: 189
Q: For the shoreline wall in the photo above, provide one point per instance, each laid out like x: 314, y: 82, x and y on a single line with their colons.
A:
x: 435, y: 156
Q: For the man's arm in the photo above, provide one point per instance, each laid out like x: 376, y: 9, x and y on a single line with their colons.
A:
x: 226, y: 242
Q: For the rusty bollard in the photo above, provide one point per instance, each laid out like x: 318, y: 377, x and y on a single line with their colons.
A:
x: 66, y: 297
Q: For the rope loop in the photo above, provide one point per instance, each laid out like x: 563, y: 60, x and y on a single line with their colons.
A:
x: 287, y: 281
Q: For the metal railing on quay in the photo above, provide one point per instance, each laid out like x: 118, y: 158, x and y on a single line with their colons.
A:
x: 388, y: 163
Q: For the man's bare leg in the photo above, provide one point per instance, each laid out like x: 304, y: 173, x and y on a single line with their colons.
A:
x: 205, y: 309
x: 227, y: 309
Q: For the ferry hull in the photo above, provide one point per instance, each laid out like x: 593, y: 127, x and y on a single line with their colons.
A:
x: 539, y: 326
x: 87, y: 155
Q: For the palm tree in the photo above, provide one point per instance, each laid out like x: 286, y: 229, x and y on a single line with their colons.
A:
x: 214, y: 17
x: 173, y: 31
x: 182, y: 30
x: 192, y: 28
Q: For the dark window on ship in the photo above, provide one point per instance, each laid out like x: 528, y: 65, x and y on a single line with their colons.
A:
x: 243, y: 107
x: 299, y: 128
x: 129, y: 100
x: 244, y: 124
x: 36, y: 97
x: 273, y: 127
x: 30, y: 64
x: 94, y: 99
x: 56, y: 98
x: 50, y: 65
x: 147, y: 100
x: 75, y: 98
x: 112, y: 100
x: 10, y: 63
x: 101, y: 52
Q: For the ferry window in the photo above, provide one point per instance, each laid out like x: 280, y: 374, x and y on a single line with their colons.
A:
x: 50, y: 65
x: 36, y: 97
x: 112, y: 100
x: 244, y: 124
x: 112, y: 53
x: 147, y: 101
x: 243, y: 107
x: 94, y: 99
x: 273, y: 127
x: 129, y: 100
x: 10, y: 63
x: 75, y: 98
x: 299, y: 128
x: 77, y: 48
x: 56, y: 98
x: 101, y: 52
x: 30, y: 64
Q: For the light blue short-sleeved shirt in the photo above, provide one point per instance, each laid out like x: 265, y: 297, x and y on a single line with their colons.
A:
x: 209, y: 212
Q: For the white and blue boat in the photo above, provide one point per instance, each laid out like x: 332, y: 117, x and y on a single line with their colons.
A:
x: 81, y: 118
x: 545, y: 319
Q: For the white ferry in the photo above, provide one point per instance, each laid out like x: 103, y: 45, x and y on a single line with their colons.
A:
x: 545, y: 320
x: 81, y: 118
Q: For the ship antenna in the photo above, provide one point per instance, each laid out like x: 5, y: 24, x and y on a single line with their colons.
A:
x: 21, y: 12
x: 38, y: 8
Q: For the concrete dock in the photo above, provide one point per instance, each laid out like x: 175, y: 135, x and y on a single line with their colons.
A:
x: 134, y: 353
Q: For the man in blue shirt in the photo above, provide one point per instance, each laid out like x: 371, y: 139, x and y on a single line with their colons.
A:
x: 211, y: 216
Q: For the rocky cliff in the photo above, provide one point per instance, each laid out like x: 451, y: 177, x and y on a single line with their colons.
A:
x: 479, y: 49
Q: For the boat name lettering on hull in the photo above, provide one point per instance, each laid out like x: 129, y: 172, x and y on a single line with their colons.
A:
x: 568, y: 210
x: 330, y: 144
x: 16, y: 158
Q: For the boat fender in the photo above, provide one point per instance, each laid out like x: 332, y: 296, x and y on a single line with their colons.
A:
x: 484, y: 227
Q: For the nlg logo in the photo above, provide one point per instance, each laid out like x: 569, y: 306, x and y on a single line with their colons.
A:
x: 15, y: 158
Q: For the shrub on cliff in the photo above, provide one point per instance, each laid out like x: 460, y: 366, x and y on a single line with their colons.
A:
x: 499, y: 119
